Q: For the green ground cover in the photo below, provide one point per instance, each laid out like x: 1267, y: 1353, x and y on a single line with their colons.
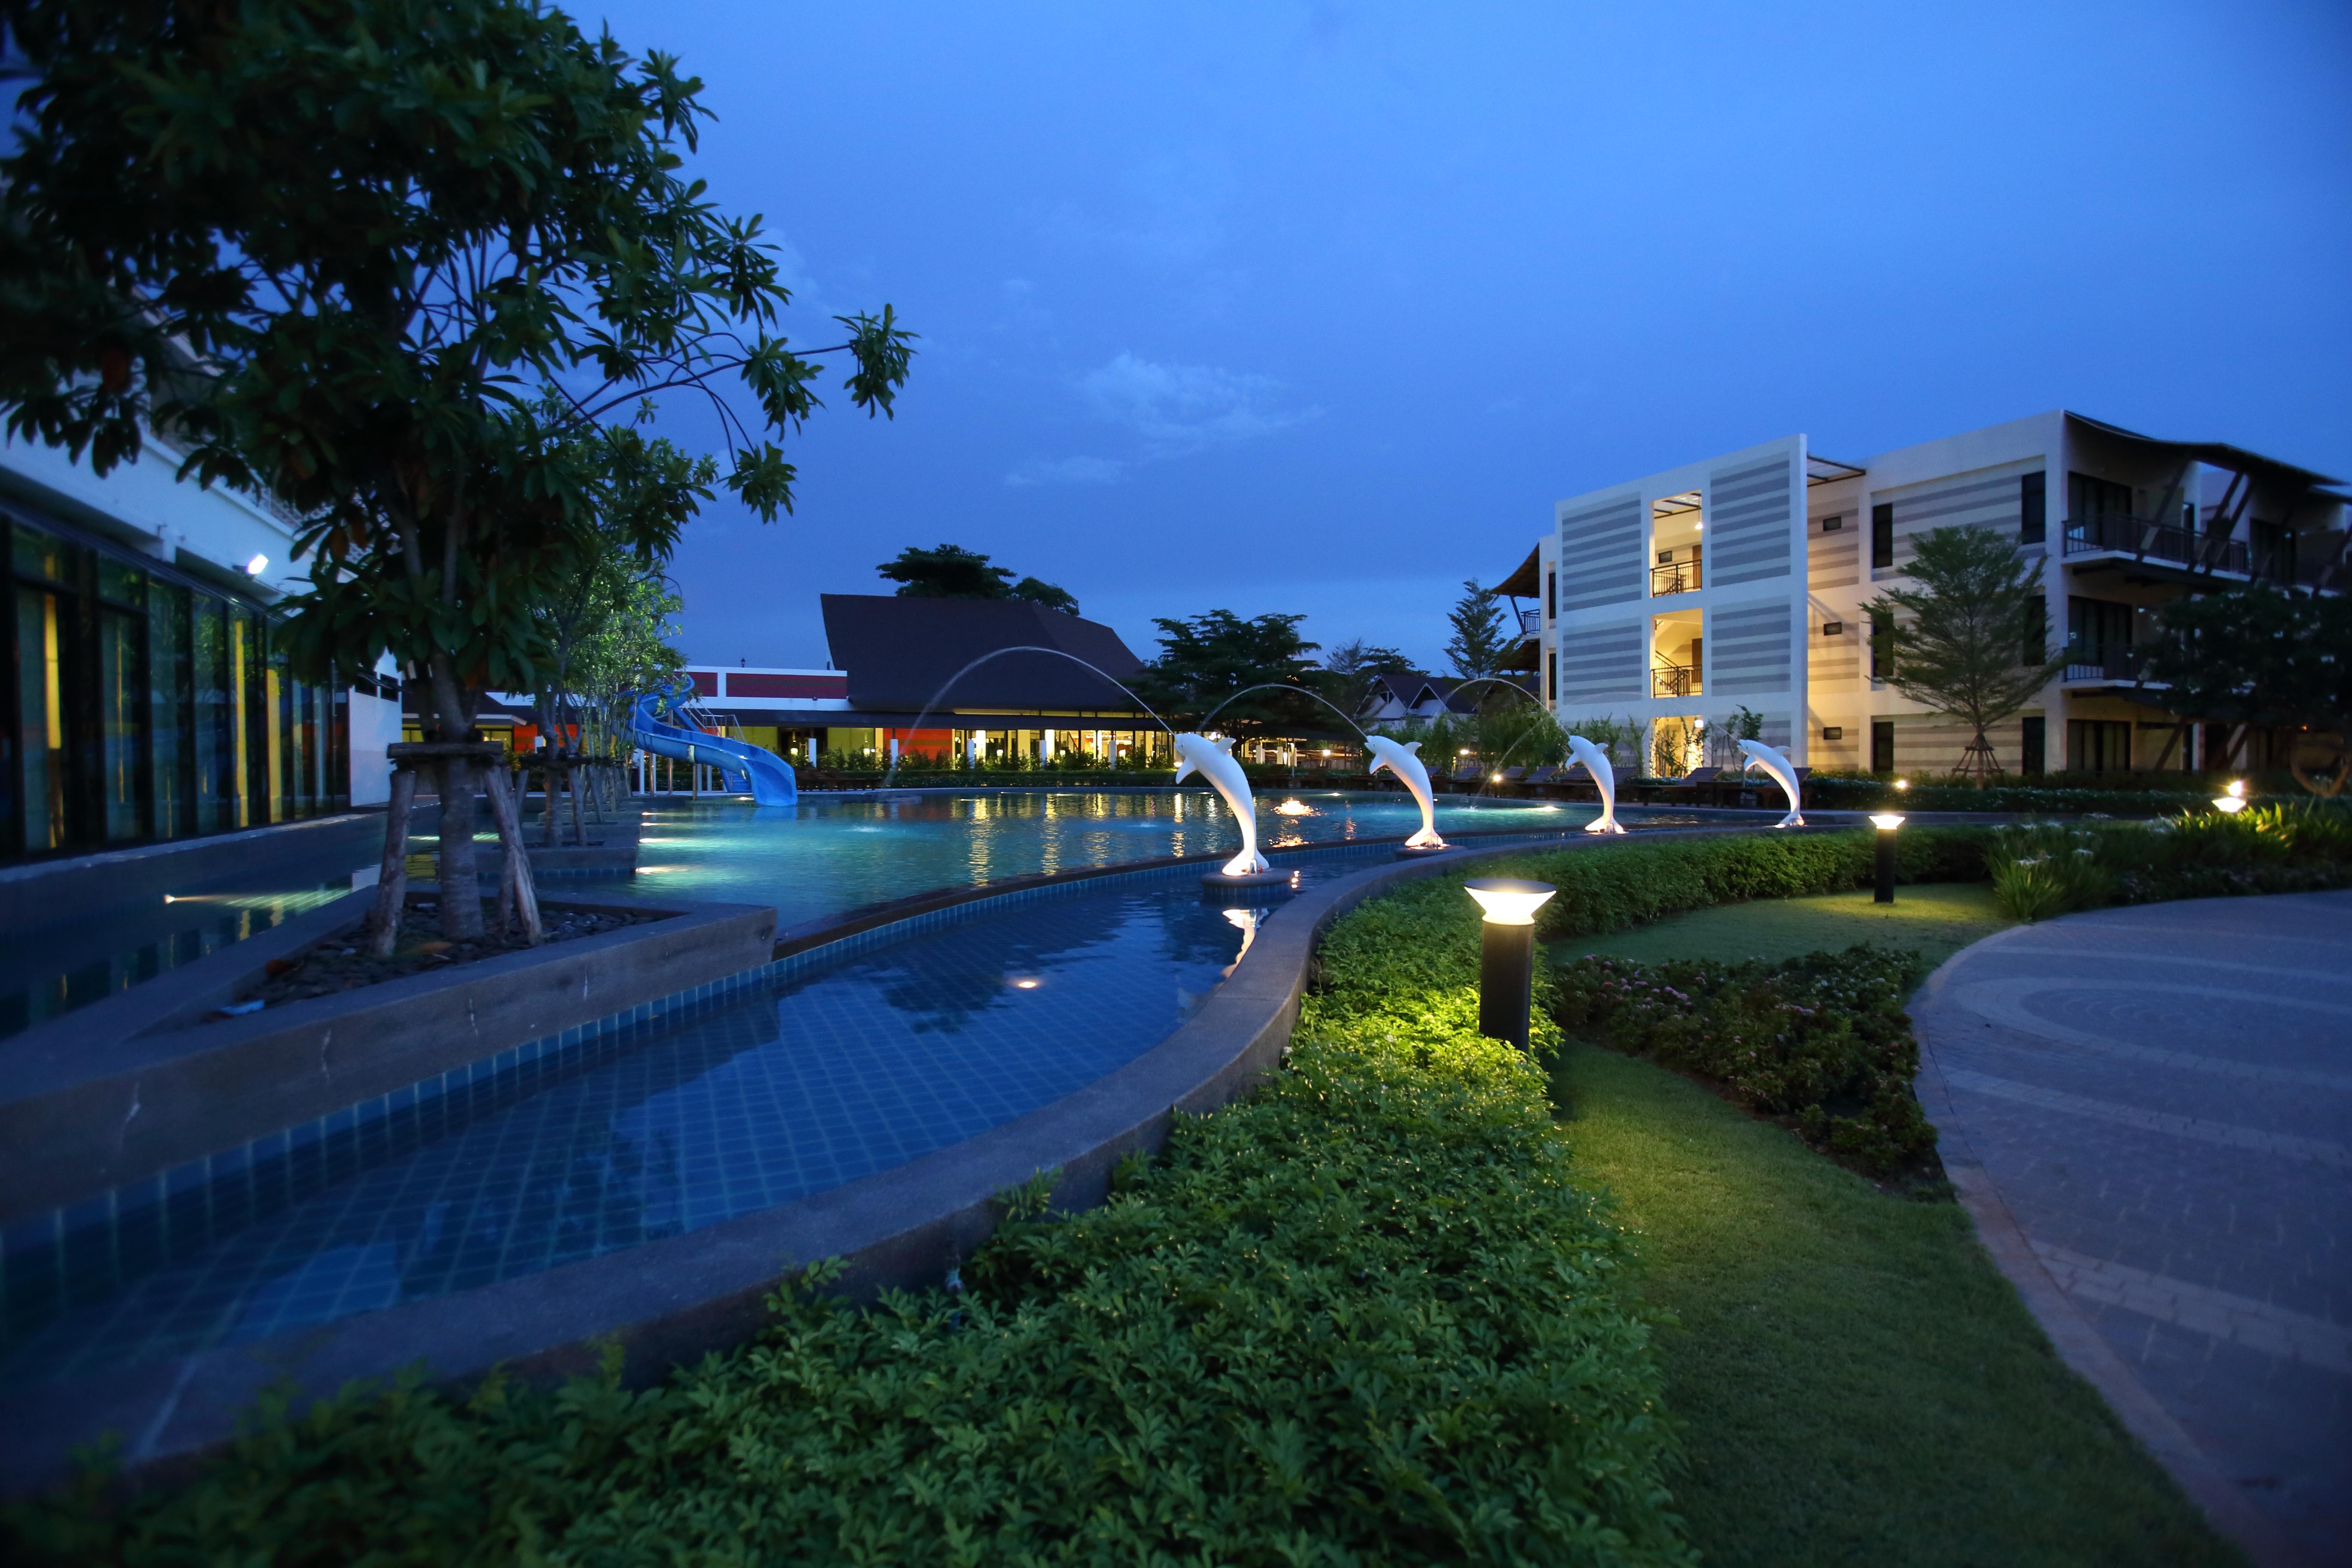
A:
x: 1853, y: 1380
x: 1934, y: 920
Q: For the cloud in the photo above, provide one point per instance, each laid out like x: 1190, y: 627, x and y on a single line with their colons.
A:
x: 1180, y: 409
x: 1066, y: 471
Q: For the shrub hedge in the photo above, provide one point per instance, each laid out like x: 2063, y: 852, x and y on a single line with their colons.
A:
x: 2040, y: 869
x: 1364, y: 1317
x: 1821, y: 1040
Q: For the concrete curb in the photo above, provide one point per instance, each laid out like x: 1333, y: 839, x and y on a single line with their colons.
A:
x: 2077, y: 1341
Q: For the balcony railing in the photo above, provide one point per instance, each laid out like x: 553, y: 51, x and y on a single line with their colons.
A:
x: 1531, y: 621
x: 1679, y: 577
x: 1670, y: 679
x: 2105, y: 661
x: 2147, y: 538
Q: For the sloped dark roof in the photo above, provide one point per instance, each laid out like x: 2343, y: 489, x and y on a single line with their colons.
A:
x: 1527, y: 583
x: 899, y: 654
x: 2220, y: 454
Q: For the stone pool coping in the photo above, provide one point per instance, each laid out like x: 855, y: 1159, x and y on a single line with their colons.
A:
x: 669, y: 1301
x: 136, y: 1088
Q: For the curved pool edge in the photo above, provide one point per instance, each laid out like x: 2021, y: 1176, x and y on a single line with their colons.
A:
x: 672, y: 1300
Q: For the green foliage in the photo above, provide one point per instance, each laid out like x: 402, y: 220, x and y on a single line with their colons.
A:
x: 403, y: 266
x: 1366, y: 1316
x: 1953, y: 642
x: 1204, y: 660
x: 2287, y: 847
x: 951, y: 572
x: 1353, y: 665
x: 2258, y: 655
x: 2045, y: 869
x: 1480, y: 639
x: 2112, y: 794
x: 1821, y: 1040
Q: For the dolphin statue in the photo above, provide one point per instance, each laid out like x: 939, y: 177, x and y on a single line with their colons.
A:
x: 1403, y: 758
x: 1214, y: 761
x: 1761, y: 755
x: 1596, y: 763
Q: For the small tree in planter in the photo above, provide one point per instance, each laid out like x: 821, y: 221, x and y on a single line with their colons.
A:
x: 398, y: 263
x: 1954, y: 642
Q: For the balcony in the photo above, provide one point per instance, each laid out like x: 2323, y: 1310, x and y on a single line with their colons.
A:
x: 1679, y: 577
x: 2147, y: 540
x: 1668, y: 678
x: 1531, y: 621
x: 2110, y: 664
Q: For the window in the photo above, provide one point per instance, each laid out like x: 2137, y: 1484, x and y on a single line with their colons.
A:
x: 1833, y: 524
x: 1551, y: 677
x: 2032, y: 508
x: 2034, y: 645
x: 1551, y: 595
x: 1832, y: 628
x: 1882, y: 745
x: 1882, y: 658
x: 2098, y: 746
x: 1834, y: 733
x: 1882, y: 534
x: 2033, y: 747
x: 2095, y: 624
x: 2087, y: 498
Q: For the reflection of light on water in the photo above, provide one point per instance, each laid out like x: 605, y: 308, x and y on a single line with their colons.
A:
x: 1294, y: 808
x: 1247, y: 921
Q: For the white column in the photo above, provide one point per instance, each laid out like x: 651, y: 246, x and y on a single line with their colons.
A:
x: 894, y: 750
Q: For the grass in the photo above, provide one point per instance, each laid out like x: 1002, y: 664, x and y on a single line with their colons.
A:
x: 1937, y: 918
x: 1856, y: 1381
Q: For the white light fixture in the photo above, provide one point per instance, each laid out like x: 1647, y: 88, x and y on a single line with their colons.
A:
x: 1886, y: 821
x: 256, y: 566
x: 1507, y: 901
x: 1901, y: 784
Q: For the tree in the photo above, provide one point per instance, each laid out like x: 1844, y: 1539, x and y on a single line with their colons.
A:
x: 1354, y: 666
x: 1953, y: 643
x: 2259, y: 655
x: 951, y: 572
x: 399, y: 264
x: 1207, y: 659
x: 1478, y: 642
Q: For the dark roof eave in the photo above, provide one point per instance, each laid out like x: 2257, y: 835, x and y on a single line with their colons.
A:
x: 2221, y: 454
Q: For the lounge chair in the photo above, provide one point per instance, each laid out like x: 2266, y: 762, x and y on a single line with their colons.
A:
x: 1466, y: 776
x: 1540, y: 778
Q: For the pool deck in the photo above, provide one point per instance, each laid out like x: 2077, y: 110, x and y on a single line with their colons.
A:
x: 2148, y: 1112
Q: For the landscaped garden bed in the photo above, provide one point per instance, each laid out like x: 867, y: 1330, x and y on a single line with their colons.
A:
x: 340, y: 964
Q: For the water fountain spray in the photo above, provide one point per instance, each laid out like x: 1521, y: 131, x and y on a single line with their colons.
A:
x: 931, y: 706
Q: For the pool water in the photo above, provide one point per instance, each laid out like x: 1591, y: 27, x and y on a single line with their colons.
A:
x: 839, y: 1066
x: 825, y: 857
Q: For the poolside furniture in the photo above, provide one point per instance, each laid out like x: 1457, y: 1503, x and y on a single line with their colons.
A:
x: 1540, y: 779
x: 1511, y: 777
x: 1465, y: 777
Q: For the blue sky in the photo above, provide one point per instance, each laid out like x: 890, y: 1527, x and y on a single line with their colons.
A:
x: 1319, y: 309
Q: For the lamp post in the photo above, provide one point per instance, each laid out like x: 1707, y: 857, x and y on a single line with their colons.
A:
x: 1507, y: 953
x: 1886, y: 822
x: 2234, y: 800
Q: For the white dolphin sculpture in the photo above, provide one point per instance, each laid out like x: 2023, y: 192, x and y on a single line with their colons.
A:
x: 1596, y: 763
x: 1775, y: 763
x: 1403, y: 758
x: 1214, y: 761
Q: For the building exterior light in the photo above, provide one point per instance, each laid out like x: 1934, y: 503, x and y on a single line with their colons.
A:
x: 256, y: 566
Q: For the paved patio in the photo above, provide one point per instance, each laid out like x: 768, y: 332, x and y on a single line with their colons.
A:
x: 2149, y: 1113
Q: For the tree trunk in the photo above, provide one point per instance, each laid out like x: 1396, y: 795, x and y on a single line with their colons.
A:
x: 392, y: 879
x: 461, y: 892
x: 579, y: 837
x: 518, y: 890
x: 548, y: 773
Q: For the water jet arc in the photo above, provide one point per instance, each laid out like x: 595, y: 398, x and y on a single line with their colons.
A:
x: 1025, y: 647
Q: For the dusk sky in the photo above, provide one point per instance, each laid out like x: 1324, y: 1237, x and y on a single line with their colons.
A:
x: 1320, y: 308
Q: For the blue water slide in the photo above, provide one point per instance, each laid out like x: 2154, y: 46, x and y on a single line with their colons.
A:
x: 749, y: 770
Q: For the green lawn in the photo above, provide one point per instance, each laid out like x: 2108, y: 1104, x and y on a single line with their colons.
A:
x: 1938, y: 919
x: 1856, y: 1381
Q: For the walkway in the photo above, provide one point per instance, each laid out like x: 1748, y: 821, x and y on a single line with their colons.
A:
x: 2149, y: 1113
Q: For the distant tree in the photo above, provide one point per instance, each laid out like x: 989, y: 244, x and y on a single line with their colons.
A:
x: 1205, y: 658
x: 1478, y: 641
x: 1954, y: 643
x: 951, y: 572
x: 406, y: 266
x: 1354, y: 666
x: 2257, y: 655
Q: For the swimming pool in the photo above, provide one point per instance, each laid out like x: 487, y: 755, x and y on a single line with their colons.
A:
x: 820, y: 859
x: 825, y: 857
x: 842, y: 1063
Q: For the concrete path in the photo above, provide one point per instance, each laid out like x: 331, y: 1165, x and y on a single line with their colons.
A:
x: 2149, y: 1113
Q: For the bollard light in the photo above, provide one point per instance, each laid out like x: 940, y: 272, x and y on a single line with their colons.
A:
x: 1507, y: 953
x: 2232, y: 802
x: 1886, y: 822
